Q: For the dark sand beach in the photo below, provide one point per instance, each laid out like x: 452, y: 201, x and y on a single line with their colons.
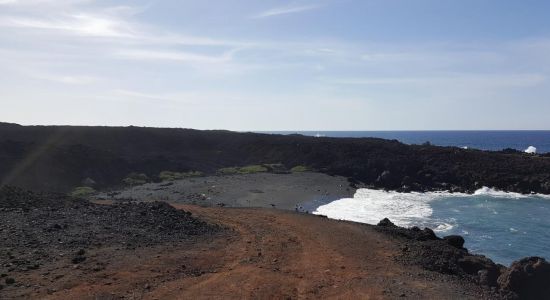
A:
x: 302, y: 191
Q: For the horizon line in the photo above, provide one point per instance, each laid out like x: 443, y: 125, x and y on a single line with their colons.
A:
x: 268, y: 130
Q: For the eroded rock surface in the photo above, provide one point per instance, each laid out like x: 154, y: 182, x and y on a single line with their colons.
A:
x: 528, y: 278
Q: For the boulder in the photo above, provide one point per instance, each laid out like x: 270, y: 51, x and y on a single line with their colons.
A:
x: 455, y: 240
x: 482, y: 267
x: 386, y: 223
x: 426, y: 235
x: 528, y: 278
x: 384, y: 177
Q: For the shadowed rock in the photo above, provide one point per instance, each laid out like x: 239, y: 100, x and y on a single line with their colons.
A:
x: 528, y: 278
x: 386, y: 222
x: 455, y: 240
x: 108, y: 154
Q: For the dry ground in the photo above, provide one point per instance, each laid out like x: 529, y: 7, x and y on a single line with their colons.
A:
x: 265, y: 254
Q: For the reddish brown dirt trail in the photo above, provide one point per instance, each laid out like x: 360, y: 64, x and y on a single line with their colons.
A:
x: 268, y: 254
x: 282, y: 255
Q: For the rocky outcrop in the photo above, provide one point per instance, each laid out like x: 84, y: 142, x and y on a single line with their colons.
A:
x: 386, y: 223
x: 455, y: 240
x: 528, y: 278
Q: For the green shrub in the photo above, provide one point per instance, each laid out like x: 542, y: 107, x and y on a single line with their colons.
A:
x: 252, y: 169
x: 136, y: 179
x: 171, y: 176
x: 298, y: 169
x: 243, y: 170
x: 82, y: 192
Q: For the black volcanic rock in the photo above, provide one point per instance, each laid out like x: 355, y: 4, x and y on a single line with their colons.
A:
x: 386, y: 222
x: 60, y: 158
x: 17, y: 198
x: 477, y: 265
x: 426, y: 235
x: 422, y: 247
x: 35, y: 229
x: 528, y: 278
x: 455, y: 240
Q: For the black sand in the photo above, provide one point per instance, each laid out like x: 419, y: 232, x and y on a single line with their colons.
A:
x: 302, y: 191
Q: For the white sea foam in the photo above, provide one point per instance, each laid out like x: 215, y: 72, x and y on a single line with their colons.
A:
x: 531, y: 150
x: 404, y: 209
x: 485, y: 191
x: 370, y: 206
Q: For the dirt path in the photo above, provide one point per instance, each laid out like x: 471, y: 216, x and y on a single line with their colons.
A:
x: 280, y: 255
x: 267, y: 254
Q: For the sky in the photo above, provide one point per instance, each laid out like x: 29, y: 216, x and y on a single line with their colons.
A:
x: 277, y: 64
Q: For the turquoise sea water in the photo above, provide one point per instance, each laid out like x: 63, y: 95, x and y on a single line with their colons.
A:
x: 504, y: 229
x: 503, y: 226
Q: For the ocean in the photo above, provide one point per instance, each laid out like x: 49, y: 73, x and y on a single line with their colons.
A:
x: 483, y: 140
x: 502, y: 226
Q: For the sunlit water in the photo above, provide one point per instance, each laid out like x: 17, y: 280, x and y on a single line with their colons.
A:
x: 484, y: 140
x: 502, y: 226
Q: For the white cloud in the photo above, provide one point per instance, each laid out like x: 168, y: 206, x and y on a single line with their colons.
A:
x: 169, y: 55
x: 80, y: 24
x: 66, y: 79
x: 285, y: 11
x: 43, y: 3
x: 172, y: 56
x: 472, y: 80
x: 116, y: 23
x: 140, y: 95
x: 197, y: 98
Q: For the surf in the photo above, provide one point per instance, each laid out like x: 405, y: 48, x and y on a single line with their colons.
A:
x: 516, y: 220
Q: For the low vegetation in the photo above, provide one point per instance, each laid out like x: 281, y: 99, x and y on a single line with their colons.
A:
x: 171, y: 176
x: 253, y: 169
x: 298, y: 169
x: 136, y: 179
x: 82, y: 191
x: 243, y: 170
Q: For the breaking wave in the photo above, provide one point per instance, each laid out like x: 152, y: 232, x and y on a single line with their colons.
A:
x: 405, y: 209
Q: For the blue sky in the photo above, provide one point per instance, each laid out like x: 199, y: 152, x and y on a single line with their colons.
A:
x: 277, y: 65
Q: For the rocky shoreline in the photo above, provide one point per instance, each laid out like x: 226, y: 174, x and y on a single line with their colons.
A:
x: 49, y: 237
x: 526, y: 278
